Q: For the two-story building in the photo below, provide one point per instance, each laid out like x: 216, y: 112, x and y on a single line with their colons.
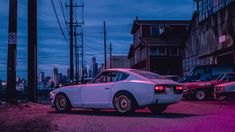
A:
x: 157, y: 45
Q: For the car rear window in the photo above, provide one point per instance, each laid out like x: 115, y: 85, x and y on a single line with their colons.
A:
x: 231, y: 77
x: 122, y: 76
x: 148, y: 75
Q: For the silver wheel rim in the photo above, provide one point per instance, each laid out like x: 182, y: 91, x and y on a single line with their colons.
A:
x: 123, y: 103
x: 200, y: 95
x: 61, y: 102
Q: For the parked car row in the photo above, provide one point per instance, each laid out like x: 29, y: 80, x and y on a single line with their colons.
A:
x: 203, y: 82
x: 205, y: 89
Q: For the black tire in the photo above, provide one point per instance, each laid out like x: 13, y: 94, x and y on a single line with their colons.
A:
x: 62, y: 103
x: 200, y: 95
x: 187, y: 97
x: 157, y: 109
x: 96, y: 110
x: 124, y: 103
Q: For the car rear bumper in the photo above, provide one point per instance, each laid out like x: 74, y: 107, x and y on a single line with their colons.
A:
x: 225, y: 93
x: 168, y: 99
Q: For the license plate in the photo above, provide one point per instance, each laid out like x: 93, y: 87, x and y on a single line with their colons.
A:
x: 169, y: 90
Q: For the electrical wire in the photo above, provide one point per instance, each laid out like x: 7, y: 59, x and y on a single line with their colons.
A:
x: 63, y: 13
x: 53, y: 5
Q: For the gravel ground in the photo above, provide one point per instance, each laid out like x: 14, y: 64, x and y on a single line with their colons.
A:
x: 186, y: 116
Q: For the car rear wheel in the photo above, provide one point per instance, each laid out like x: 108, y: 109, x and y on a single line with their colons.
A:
x: 96, y: 110
x: 124, y: 103
x: 200, y: 95
x: 62, y: 103
x: 157, y: 109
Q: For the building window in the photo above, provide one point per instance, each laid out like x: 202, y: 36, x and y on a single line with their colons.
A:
x: 209, y: 7
x: 174, y: 51
x: 154, y: 31
x: 160, y: 51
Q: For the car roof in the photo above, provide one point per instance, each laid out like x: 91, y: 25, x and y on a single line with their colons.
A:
x: 120, y: 69
x: 170, y: 75
x: 228, y: 73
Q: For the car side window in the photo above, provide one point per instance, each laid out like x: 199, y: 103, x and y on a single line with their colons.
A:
x: 231, y: 77
x: 121, y: 76
x: 111, y: 76
x: 106, y: 77
x: 102, y: 78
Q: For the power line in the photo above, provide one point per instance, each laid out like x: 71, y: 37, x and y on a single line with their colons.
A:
x: 53, y: 5
x: 63, y: 13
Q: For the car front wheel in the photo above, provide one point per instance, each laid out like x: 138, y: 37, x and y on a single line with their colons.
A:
x: 157, y: 109
x: 62, y: 103
x: 200, y: 95
x: 124, y: 103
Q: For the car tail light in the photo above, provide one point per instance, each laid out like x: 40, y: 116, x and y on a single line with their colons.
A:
x: 179, y: 88
x: 221, y: 89
x: 159, y: 89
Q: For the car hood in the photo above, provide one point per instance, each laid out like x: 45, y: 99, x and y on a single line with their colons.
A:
x: 215, y: 82
x: 165, y: 81
x: 229, y: 84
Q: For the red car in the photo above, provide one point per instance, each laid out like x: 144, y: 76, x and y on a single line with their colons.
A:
x: 203, y: 89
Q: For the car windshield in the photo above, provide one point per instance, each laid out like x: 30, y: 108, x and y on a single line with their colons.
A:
x: 190, y: 72
x: 231, y: 77
x: 148, y: 75
x: 221, y: 76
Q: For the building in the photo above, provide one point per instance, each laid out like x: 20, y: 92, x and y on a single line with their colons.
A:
x: 68, y: 74
x: 85, y: 72
x: 157, y: 45
x: 94, y: 66
x: 101, y: 68
x: 41, y: 77
x: 55, y: 73
x: 212, y: 34
x: 118, y: 62
x: 90, y: 73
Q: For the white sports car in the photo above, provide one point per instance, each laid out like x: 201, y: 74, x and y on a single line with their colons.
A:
x: 121, y: 89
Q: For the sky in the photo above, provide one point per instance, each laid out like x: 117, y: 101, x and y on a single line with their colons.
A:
x: 53, y: 49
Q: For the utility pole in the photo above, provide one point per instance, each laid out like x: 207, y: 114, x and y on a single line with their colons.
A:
x: 12, y: 41
x: 32, y: 50
x: 76, y: 54
x: 110, y: 56
x: 71, y: 40
x: 105, y: 52
x: 74, y: 24
x: 83, y: 68
x: 82, y: 44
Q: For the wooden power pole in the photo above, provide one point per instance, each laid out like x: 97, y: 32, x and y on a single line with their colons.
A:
x: 105, y: 50
x: 12, y: 41
x: 110, y: 56
x: 71, y: 40
x: 76, y: 55
x: 32, y: 50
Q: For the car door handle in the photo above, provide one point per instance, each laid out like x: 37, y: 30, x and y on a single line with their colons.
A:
x: 106, y: 88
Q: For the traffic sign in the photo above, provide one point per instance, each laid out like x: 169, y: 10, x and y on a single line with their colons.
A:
x: 12, y: 38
